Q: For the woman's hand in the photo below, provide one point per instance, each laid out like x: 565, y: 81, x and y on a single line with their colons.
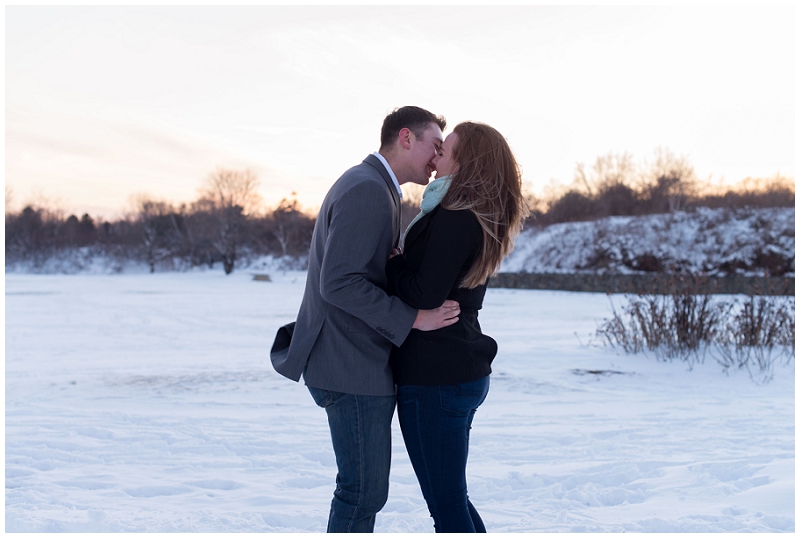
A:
x: 395, y: 252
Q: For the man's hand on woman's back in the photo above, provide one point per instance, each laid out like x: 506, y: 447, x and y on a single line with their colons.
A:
x: 430, y: 320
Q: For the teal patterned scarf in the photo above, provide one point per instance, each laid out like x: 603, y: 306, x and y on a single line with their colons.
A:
x: 432, y: 197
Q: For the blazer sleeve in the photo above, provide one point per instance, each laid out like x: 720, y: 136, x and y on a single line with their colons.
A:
x: 358, y: 244
x: 454, y: 240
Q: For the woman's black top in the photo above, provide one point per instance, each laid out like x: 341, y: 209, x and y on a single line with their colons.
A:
x: 439, y: 251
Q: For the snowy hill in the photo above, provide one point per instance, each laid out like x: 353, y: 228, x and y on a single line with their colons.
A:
x: 711, y: 241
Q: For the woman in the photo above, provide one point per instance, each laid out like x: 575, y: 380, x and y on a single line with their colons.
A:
x: 470, y: 216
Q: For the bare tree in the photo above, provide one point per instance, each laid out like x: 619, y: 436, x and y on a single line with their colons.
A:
x: 229, y: 195
x: 409, y: 206
x: 33, y: 233
x: 669, y: 181
x: 9, y: 198
x: 579, y: 181
x: 291, y: 227
x: 232, y: 188
x: 158, y: 232
x: 77, y: 232
x: 607, y: 190
x: 608, y: 171
x: 614, y: 169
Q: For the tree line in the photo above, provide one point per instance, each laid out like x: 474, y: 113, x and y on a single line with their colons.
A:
x: 616, y: 185
x: 228, y: 223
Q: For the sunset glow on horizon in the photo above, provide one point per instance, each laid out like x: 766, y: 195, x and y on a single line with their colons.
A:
x: 104, y: 103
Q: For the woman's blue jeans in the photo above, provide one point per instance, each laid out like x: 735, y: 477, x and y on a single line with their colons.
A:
x: 435, y: 421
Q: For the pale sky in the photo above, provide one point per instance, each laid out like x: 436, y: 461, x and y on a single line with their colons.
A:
x: 106, y: 102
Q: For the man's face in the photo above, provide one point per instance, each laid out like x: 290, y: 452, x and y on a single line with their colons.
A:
x: 423, y: 151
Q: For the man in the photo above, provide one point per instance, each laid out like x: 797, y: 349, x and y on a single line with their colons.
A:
x: 347, y: 324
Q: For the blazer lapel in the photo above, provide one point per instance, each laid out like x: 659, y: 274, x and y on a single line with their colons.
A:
x: 373, y: 161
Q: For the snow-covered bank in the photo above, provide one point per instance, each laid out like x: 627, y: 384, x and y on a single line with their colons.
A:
x: 147, y: 403
x: 88, y: 260
x: 710, y: 241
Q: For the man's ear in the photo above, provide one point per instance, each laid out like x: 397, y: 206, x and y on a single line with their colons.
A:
x: 404, y: 136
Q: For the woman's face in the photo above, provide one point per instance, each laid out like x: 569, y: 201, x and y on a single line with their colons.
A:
x: 445, y: 165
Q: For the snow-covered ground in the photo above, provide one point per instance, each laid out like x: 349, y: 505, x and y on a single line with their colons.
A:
x: 147, y: 403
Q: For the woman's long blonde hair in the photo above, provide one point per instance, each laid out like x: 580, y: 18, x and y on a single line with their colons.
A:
x: 487, y: 181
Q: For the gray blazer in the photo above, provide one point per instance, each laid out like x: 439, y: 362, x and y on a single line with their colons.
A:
x: 347, y: 324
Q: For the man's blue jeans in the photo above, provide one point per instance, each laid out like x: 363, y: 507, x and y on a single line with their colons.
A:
x: 361, y: 432
x: 435, y: 421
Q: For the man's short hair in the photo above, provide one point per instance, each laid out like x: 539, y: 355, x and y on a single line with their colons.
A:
x: 413, y: 117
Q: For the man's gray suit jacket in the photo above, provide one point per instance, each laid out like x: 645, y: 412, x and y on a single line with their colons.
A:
x: 347, y: 324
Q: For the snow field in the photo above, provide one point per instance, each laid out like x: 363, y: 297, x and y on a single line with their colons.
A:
x: 146, y: 403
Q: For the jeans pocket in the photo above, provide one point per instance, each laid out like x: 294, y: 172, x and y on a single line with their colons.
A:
x: 464, y: 398
x: 322, y: 397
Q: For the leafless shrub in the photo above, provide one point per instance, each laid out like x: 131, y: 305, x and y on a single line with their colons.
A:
x: 759, y: 333
x: 681, y: 325
x: 685, y: 325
